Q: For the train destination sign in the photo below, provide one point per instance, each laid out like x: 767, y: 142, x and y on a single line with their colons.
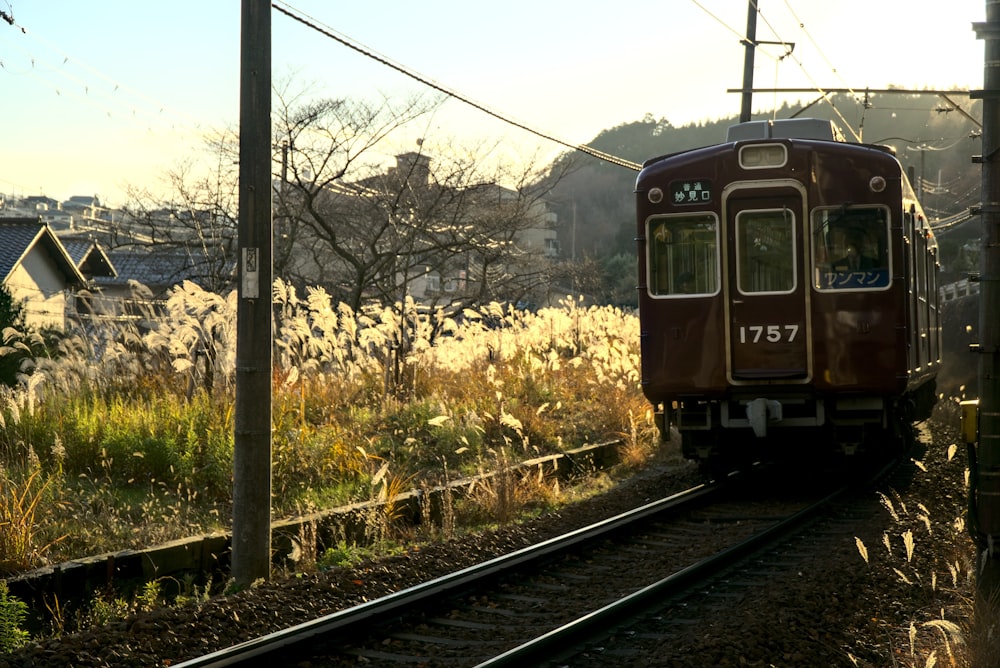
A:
x: 695, y: 191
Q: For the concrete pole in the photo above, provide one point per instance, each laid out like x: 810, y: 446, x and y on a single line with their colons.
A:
x: 751, y: 45
x: 251, y: 556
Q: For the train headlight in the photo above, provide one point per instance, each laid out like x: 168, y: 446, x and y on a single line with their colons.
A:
x: 877, y: 184
x: 761, y: 156
x: 655, y: 195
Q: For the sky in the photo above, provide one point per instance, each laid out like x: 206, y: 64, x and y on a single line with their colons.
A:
x: 99, y: 97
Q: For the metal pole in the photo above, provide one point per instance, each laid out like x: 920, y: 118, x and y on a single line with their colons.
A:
x: 751, y: 45
x: 251, y: 557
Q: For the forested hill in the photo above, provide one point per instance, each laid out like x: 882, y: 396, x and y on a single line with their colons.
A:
x: 595, y: 202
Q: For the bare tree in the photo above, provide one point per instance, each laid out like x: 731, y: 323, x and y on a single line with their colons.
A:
x: 453, y: 226
x: 442, y: 221
x: 193, y: 235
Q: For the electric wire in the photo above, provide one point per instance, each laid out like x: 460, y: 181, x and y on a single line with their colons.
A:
x: 309, y: 21
x: 318, y: 26
x: 789, y: 47
x: 953, y: 221
x: 788, y: 54
x: 72, y: 78
x: 740, y: 36
x: 819, y: 50
x: 146, y: 104
x: 819, y: 89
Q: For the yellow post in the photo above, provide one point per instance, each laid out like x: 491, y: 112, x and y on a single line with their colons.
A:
x: 970, y: 421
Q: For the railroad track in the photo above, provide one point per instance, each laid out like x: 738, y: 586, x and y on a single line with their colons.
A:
x: 560, y: 598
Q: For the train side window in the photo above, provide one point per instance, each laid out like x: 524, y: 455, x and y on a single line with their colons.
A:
x: 765, y: 251
x: 851, y: 248
x: 682, y: 255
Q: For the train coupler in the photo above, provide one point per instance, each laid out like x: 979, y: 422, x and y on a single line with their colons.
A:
x: 760, y: 411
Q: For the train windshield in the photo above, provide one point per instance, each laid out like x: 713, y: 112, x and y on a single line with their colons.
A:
x: 850, y: 248
x: 683, y: 255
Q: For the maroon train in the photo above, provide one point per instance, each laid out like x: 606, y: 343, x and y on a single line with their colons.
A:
x: 787, y: 294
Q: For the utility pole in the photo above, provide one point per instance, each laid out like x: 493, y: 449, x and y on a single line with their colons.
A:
x: 251, y: 555
x: 750, y: 44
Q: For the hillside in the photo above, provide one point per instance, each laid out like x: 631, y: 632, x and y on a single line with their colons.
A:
x: 934, y: 141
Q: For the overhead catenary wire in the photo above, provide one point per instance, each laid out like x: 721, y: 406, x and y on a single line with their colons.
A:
x: 819, y: 89
x: 788, y: 54
x: 823, y: 92
x: 819, y: 50
x: 953, y: 221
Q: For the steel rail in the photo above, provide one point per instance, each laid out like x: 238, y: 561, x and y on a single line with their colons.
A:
x: 553, y: 646
x: 352, y: 619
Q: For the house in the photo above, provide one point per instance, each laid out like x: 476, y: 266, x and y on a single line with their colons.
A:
x: 84, y: 204
x: 89, y: 257
x: 40, y: 202
x: 143, y: 278
x: 47, y: 209
x: 37, y: 270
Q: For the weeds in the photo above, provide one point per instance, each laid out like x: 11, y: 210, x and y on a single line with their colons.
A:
x: 641, y: 435
x: 506, y: 492
x: 13, y: 612
x: 345, y: 555
x: 57, y: 616
x: 103, y: 610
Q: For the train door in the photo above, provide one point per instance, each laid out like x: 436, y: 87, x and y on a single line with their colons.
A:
x: 766, y: 291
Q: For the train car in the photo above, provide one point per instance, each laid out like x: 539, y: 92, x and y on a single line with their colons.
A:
x: 787, y: 294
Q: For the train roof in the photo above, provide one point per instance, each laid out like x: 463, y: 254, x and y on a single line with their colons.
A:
x: 786, y: 128
x: 808, y: 129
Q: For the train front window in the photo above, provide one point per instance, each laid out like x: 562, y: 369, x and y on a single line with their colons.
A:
x: 850, y: 248
x: 682, y: 255
x: 765, y: 251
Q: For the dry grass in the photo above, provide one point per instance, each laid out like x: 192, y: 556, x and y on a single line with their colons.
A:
x: 983, y: 633
x: 504, y: 492
x: 130, y: 433
x: 20, y: 502
x: 133, y: 431
x: 927, y: 555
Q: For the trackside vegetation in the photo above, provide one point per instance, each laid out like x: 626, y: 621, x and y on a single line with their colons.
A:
x: 121, y: 435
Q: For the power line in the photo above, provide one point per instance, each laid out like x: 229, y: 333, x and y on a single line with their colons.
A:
x: 789, y: 47
x: 153, y: 108
x: 740, y: 36
x: 953, y: 221
x: 326, y: 31
x: 802, y: 67
x: 802, y: 27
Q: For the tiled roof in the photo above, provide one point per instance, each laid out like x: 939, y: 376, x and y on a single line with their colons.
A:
x: 155, y: 268
x: 20, y: 235
x: 77, y: 248
x: 159, y: 268
x: 88, y: 256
